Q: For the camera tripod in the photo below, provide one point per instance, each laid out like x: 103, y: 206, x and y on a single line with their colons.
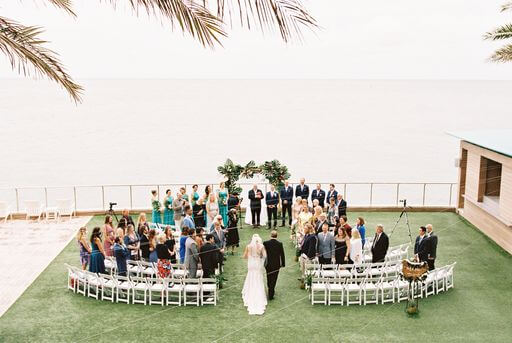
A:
x: 111, y: 212
x: 403, y: 214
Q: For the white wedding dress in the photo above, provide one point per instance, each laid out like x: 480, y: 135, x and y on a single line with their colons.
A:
x: 253, y: 293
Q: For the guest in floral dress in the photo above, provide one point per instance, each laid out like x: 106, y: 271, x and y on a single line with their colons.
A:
x: 156, y: 205
x: 164, y: 257
x: 85, y: 249
x: 223, y: 203
x: 168, y: 211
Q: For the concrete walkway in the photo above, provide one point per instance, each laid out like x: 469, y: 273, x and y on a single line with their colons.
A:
x: 26, y: 249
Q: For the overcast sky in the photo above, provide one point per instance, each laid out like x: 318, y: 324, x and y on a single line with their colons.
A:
x: 372, y: 39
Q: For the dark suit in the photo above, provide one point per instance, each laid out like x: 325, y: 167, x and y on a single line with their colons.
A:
x: 275, y: 260
x: 431, y: 250
x: 272, y: 200
x: 419, y: 248
x: 333, y: 194
x: 302, y: 192
x: 308, y: 247
x: 209, y: 259
x: 380, y: 248
x: 320, y: 195
x: 286, y: 203
x: 255, y: 205
x: 342, y: 208
x: 129, y: 220
x: 318, y: 226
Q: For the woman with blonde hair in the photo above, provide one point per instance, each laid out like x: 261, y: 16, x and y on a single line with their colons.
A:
x: 212, y: 210
x: 85, y: 248
x: 164, y: 257
x: 356, y: 248
x: 297, y: 206
x: 142, y: 222
x: 305, y: 217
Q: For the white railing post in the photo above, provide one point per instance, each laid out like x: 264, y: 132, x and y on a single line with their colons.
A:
x: 397, y: 193
x: 344, y: 191
x: 424, y: 189
x: 46, y: 197
x: 131, y: 198
x: 17, y: 200
x: 371, y: 194
x: 74, y: 197
x: 450, y: 200
x: 103, y: 197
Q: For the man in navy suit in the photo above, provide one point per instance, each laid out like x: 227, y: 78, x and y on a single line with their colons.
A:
x: 420, y: 253
x: 302, y: 190
x: 318, y: 194
x: 286, y: 202
x: 272, y: 199
x: 333, y: 193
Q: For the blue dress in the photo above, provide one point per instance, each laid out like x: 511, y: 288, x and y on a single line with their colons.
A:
x: 156, y: 216
x: 223, y: 206
x: 183, y: 239
x: 121, y: 254
x: 362, y: 232
x: 153, y: 256
x: 97, y: 260
x: 168, y: 213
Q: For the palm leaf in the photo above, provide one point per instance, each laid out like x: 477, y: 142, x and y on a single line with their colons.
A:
x: 502, y: 55
x: 25, y: 50
x: 63, y: 4
x: 502, y: 32
x: 506, y: 7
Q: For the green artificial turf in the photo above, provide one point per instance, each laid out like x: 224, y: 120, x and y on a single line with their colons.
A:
x: 478, y: 309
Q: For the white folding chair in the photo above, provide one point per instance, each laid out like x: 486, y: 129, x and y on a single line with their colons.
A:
x: 386, y: 289
x: 336, y: 287
x: 5, y: 211
x: 140, y: 288
x: 156, y: 287
x: 193, y: 287
x: 402, y: 289
x: 72, y: 276
x: 108, y: 287
x: 65, y: 207
x: 93, y: 285
x: 208, y: 291
x: 81, y: 281
x: 33, y: 209
x: 319, y: 285
x: 329, y: 270
x: 449, y: 276
x: 440, y: 280
x: 124, y: 287
x: 148, y: 269
x: 174, y: 287
x: 428, y: 287
x: 179, y: 271
x: 370, y: 291
x: 133, y: 268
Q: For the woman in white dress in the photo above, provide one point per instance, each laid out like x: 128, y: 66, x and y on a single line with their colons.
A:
x: 212, y: 210
x: 253, y: 293
x: 356, y: 248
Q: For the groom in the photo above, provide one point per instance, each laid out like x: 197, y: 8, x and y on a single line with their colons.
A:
x: 275, y: 260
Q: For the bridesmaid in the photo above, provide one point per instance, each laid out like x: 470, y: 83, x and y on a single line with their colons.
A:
x: 156, y: 205
x: 194, y: 196
x: 168, y: 211
x: 223, y: 203
x: 184, y: 195
x: 206, y: 198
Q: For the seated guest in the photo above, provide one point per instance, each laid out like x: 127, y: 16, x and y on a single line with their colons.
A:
x: 209, y: 257
x: 362, y: 230
x: 325, y: 246
x: 131, y: 241
x: 120, y: 253
x: 97, y: 264
x: 199, y: 237
x: 128, y: 218
x: 343, y: 223
x: 170, y: 243
x: 356, y: 248
x: 342, y: 206
x: 183, y: 239
x: 380, y: 245
x: 144, y: 244
x: 420, y: 253
x: 188, y: 220
x: 308, y: 247
x: 322, y: 219
x: 342, y: 246
x: 302, y: 190
x: 164, y: 257
x: 319, y: 194
x: 332, y: 194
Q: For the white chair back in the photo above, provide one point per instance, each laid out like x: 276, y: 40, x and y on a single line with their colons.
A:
x: 65, y: 207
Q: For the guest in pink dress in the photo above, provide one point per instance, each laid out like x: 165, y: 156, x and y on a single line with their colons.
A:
x: 109, y: 235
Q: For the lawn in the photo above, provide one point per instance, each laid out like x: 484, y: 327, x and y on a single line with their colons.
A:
x: 479, y: 308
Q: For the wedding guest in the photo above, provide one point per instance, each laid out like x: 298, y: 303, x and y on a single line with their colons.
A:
x: 191, y: 255
x: 319, y: 194
x: 272, y: 200
x: 342, y: 206
x: 322, y: 219
x: 209, y: 257
x: 316, y: 207
x: 198, y: 211
x: 188, y: 220
x: 305, y: 217
x: 332, y: 193
x: 184, y: 196
x: 206, y: 199
x: 342, y: 246
x: 233, y: 201
x: 199, y: 237
x: 85, y: 249
x: 109, y: 237
x: 156, y: 206
x: 380, y: 244
x: 127, y: 217
x: 420, y: 253
x: 164, y: 257
x: 431, y: 247
x: 325, y: 246
x: 183, y: 239
x: 362, y: 230
x: 141, y: 223
x: 304, y: 203
x: 144, y: 243
x: 168, y: 210
x: 343, y: 223
x: 97, y: 264
x: 194, y: 196
x: 255, y: 195
x: 121, y: 229
x: 212, y: 210
x: 286, y: 195
x: 170, y: 243
x: 297, y: 208
x: 332, y: 213
x: 152, y: 246
x: 121, y: 254
x: 177, y: 206
x: 232, y: 237
x: 302, y: 190
x: 222, y: 196
x: 131, y: 241
x: 219, y: 239
x: 356, y: 248
x: 308, y: 247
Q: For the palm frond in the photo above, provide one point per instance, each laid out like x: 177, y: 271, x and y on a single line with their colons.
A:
x: 502, y: 32
x: 63, y: 4
x: 506, y: 7
x: 189, y: 15
x: 25, y: 50
x: 503, y: 54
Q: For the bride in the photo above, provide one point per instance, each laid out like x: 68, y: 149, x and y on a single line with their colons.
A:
x: 253, y: 292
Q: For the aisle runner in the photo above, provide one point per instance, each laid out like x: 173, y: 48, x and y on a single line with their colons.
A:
x: 26, y: 249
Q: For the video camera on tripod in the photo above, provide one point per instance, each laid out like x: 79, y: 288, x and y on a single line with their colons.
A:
x: 403, y: 214
x: 111, y: 211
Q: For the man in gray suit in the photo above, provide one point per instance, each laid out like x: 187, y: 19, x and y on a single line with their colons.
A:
x: 219, y: 240
x: 191, y: 254
x: 325, y: 245
x: 177, y: 206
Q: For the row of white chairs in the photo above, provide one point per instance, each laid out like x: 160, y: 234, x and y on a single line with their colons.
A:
x: 351, y: 271
x: 147, y: 269
x: 364, y: 288
x: 35, y: 209
x: 143, y: 290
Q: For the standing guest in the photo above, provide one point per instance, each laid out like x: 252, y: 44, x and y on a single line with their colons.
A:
x: 188, y: 220
x: 199, y: 237
x: 206, y: 199
x: 332, y: 193
x: 222, y: 196
x: 304, y: 203
x: 319, y: 194
x: 325, y: 248
x: 332, y: 213
x: 108, y: 230
x: 85, y: 249
x: 342, y: 246
x: 420, y: 253
x: 343, y: 223
x: 164, y: 257
x: 380, y: 245
x: 156, y: 205
x: 97, y: 264
x: 177, y: 206
x: 232, y: 237
x: 286, y: 195
x: 356, y: 248
x: 316, y: 209
x: 233, y: 201
x: 275, y: 261
x: 184, y: 196
x: 121, y: 254
x: 170, y: 243
x: 297, y: 208
x: 431, y: 247
x: 305, y: 217
x: 317, y: 212
x: 191, y: 255
x: 308, y: 247
x: 121, y: 229
x: 219, y: 239
x: 302, y: 190
x: 272, y: 200
x: 198, y: 211
x: 168, y: 210
x: 183, y: 239
x: 209, y: 257
x: 152, y: 246
x: 131, y: 241
x: 362, y: 230
x: 141, y: 223
x: 144, y: 243
x: 127, y: 217
x: 212, y: 210
x: 255, y: 195
x: 194, y: 196
x: 342, y: 206
x: 321, y: 220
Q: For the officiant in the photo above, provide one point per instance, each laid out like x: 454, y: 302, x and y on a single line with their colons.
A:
x: 255, y: 195
x: 272, y: 199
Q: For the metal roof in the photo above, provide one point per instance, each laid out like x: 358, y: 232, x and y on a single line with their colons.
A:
x: 497, y: 140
